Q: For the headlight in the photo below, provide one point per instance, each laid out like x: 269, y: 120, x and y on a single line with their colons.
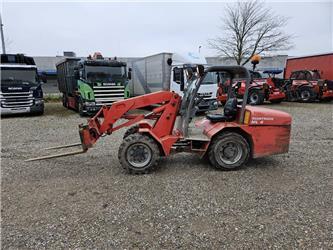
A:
x: 90, y: 103
x: 325, y: 84
x: 39, y: 101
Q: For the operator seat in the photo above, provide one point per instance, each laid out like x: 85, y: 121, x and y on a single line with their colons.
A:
x: 229, y: 112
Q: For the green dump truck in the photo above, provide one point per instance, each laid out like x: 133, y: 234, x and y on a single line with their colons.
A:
x: 88, y: 84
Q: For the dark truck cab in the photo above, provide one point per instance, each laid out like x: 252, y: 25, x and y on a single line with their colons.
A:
x: 21, y: 90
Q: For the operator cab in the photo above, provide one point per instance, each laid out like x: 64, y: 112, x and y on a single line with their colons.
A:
x: 229, y: 112
x: 191, y: 98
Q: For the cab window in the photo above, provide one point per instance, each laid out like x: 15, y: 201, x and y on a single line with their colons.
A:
x: 210, y: 78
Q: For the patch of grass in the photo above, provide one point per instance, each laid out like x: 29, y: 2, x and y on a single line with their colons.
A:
x: 52, y: 97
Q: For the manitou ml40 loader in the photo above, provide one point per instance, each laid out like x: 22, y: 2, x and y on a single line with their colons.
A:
x: 228, y: 140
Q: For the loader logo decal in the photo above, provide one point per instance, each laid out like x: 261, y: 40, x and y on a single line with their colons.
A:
x: 261, y: 120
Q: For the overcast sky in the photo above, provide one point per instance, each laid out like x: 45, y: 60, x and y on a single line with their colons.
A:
x: 140, y: 29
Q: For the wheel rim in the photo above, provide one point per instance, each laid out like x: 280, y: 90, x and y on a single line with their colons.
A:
x: 138, y: 155
x: 229, y: 152
x: 254, y: 98
x: 305, y: 95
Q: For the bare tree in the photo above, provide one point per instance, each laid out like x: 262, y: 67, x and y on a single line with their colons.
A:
x: 250, y: 28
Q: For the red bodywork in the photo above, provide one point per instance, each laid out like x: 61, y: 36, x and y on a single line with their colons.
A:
x: 323, y: 63
x: 323, y: 89
x: 104, y: 122
x: 268, y: 131
x: 266, y: 85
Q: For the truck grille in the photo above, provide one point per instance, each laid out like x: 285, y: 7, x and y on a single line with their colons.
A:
x: 205, y: 95
x: 106, y: 95
x: 16, y: 99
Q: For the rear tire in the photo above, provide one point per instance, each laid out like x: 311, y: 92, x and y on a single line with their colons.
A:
x: 64, y: 101
x: 39, y: 113
x: 306, y: 94
x: 229, y: 151
x: 256, y: 97
x: 138, y: 154
x: 80, y: 108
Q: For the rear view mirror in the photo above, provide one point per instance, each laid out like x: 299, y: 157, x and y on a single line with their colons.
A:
x: 177, y: 75
x: 200, y: 70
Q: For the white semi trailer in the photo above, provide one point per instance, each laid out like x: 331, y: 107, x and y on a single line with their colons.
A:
x: 166, y: 71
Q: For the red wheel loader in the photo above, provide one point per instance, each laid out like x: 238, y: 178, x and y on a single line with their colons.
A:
x: 227, y: 140
x: 261, y: 89
x: 308, y: 86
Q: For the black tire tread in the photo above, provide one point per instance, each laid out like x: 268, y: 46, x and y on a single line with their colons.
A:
x: 211, y: 155
x: 138, y: 137
x: 313, y: 94
x: 131, y: 130
x: 260, y: 95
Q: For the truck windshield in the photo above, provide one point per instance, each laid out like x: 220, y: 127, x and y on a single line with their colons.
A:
x: 104, y: 73
x: 12, y: 75
x: 210, y: 78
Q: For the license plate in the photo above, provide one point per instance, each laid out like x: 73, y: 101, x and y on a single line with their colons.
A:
x: 20, y: 110
x: 109, y: 84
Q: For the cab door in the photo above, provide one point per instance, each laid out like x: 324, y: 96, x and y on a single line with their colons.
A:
x: 177, y: 83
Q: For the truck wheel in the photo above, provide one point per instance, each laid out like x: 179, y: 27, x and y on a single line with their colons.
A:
x: 64, y: 101
x: 255, y: 97
x: 80, y: 108
x: 229, y: 151
x: 40, y: 112
x: 130, y: 131
x: 306, y: 94
x: 138, y: 154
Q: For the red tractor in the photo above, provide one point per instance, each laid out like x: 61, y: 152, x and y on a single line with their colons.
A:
x: 227, y: 140
x: 307, y: 86
x: 261, y: 89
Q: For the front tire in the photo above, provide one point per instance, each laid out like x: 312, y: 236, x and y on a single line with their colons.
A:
x: 256, y: 97
x: 130, y: 131
x: 306, y: 94
x: 138, y: 154
x: 80, y: 108
x: 229, y: 151
x: 64, y: 101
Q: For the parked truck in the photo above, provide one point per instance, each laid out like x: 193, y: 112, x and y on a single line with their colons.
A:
x: 309, y: 78
x: 88, y: 84
x: 167, y: 71
x: 21, y: 86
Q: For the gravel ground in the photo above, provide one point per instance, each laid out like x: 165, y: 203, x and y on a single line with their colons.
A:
x: 282, y: 201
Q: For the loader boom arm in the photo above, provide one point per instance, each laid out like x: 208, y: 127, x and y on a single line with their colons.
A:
x: 104, y: 122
